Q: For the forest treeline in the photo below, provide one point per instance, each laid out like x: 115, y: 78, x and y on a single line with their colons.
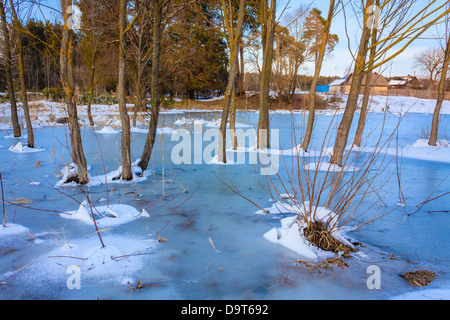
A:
x: 194, y: 55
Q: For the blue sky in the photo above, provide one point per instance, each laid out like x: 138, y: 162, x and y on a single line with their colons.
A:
x: 340, y: 61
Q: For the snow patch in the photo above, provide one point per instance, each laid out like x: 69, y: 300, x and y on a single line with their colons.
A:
x: 113, y: 177
x: 12, y: 229
x: 216, y: 160
x: 21, y: 148
x: 108, y: 130
x: 105, y: 216
x: 290, y: 234
x: 121, y: 257
x: 424, y: 143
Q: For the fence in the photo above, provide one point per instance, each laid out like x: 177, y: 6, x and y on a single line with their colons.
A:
x: 422, y: 94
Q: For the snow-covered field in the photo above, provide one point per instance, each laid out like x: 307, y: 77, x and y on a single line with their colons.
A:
x: 183, y: 234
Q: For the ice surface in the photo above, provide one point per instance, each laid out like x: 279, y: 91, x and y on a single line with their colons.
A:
x: 187, y: 206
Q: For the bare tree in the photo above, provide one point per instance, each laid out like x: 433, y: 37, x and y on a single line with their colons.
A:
x: 235, y: 36
x: 324, y: 43
x: 95, y: 28
x: 68, y: 82
x: 367, y: 89
x: 430, y: 61
x: 357, y: 77
x: 141, y: 53
x: 8, y: 68
x: 158, y: 6
x: 441, y: 89
x: 18, y: 32
x: 126, y: 175
x: 267, y: 20
x: 396, y: 27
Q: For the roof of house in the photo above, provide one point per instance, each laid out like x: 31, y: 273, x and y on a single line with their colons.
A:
x: 339, y: 82
x: 377, y: 80
x: 402, y: 81
x: 398, y: 82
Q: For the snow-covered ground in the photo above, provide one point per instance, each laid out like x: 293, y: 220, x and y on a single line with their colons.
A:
x: 182, y: 232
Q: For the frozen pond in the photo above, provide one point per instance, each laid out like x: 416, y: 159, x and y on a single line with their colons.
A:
x: 215, y: 247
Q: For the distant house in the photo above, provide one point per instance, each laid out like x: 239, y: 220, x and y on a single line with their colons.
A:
x: 378, y: 84
x: 408, y: 82
x: 338, y: 86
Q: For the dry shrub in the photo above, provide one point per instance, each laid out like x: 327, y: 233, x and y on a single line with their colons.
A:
x: 419, y: 278
x: 319, y: 236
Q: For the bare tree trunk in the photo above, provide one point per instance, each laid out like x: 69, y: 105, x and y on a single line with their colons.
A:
x: 318, y: 68
x: 241, y: 87
x: 121, y: 91
x: 68, y: 82
x: 137, y: 106
x: 267, y: 35
x: 440, y: 99
x: 355, y: 89
x: 235, y: 38
x: 234, y: 142
x: 23, y: 87
x: 364, y: 107
x: 91, y: 92
x: 8, y: 69
x: 155, y: 89
x: 367, y: 90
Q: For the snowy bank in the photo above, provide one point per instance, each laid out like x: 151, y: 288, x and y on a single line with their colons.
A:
x: 291, y: 233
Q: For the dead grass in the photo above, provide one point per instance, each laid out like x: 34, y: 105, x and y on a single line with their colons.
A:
x: 326, y: 264
x: 319, y: 236
x: 419, y: 278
